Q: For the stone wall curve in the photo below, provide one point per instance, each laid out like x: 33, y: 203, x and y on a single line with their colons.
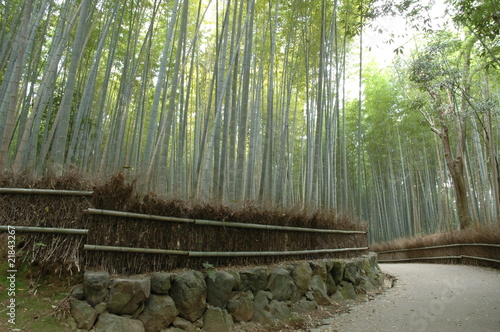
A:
x: 217, y: 299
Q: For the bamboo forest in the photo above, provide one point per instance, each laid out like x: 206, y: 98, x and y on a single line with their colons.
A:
x: 278, y: 102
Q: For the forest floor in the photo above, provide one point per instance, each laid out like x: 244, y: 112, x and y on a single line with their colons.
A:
x: 428, y: 297
x: 37, y: 296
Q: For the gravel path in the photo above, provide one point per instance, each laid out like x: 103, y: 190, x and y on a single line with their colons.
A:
x: 430, y: 298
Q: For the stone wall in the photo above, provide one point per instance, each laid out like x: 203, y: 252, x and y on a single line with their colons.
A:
x: 218, y: 299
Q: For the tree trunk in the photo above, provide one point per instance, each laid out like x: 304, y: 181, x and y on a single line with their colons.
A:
x: 456, y: 169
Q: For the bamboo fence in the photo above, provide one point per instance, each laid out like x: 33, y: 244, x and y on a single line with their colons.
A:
x: 188, y: 242
x: 439, y: 246
x: 416, y: 259
x: 134, y: 242
x: 217, y: 223
x: 129, y: 242
x: 217, y: 253
x: 465, y: 253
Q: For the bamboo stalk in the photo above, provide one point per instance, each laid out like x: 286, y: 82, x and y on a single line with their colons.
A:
x: 137, y: 215
x: 273, y: 227
x: 27, y: 229
x: 45, y: 192
x: 482, y: 258
x: 95, y: 247
x: 440, y: 246
x: 214, y: 253
x: 268, y: 253
x: 216, y: 223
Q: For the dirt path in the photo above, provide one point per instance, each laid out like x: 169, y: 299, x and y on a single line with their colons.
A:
x: 431, y: 298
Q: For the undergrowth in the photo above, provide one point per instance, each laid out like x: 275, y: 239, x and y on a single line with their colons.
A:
x: 38, y: 293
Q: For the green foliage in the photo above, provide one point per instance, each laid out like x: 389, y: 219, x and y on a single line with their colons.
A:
x: 424, y: 70
x: 437, y: 66
x: 353, y: 15
x: 482, y: 16
x: 380, y: 103
x: 209, y: 269
x: 415, y: 12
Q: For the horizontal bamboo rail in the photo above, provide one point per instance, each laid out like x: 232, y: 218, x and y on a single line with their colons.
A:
x: 416, y: 259
x: 482, y: 258
x: 215, y: 223
x: 27, y: 229
x: 437, y: 257
x: 440, y: 246
x: 270, y: 253
x: 45, y: 192
x: 214, y: 253
x: 95, y: 247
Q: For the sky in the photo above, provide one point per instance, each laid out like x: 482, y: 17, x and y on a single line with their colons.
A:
x: 376, y: 38
x: 377, y: 48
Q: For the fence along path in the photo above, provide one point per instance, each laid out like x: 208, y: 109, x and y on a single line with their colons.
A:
x: 397, y: 255
x: 197, y: 222
x: 202, y: 222
x: 488, y: 253
x: 217, y: 223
